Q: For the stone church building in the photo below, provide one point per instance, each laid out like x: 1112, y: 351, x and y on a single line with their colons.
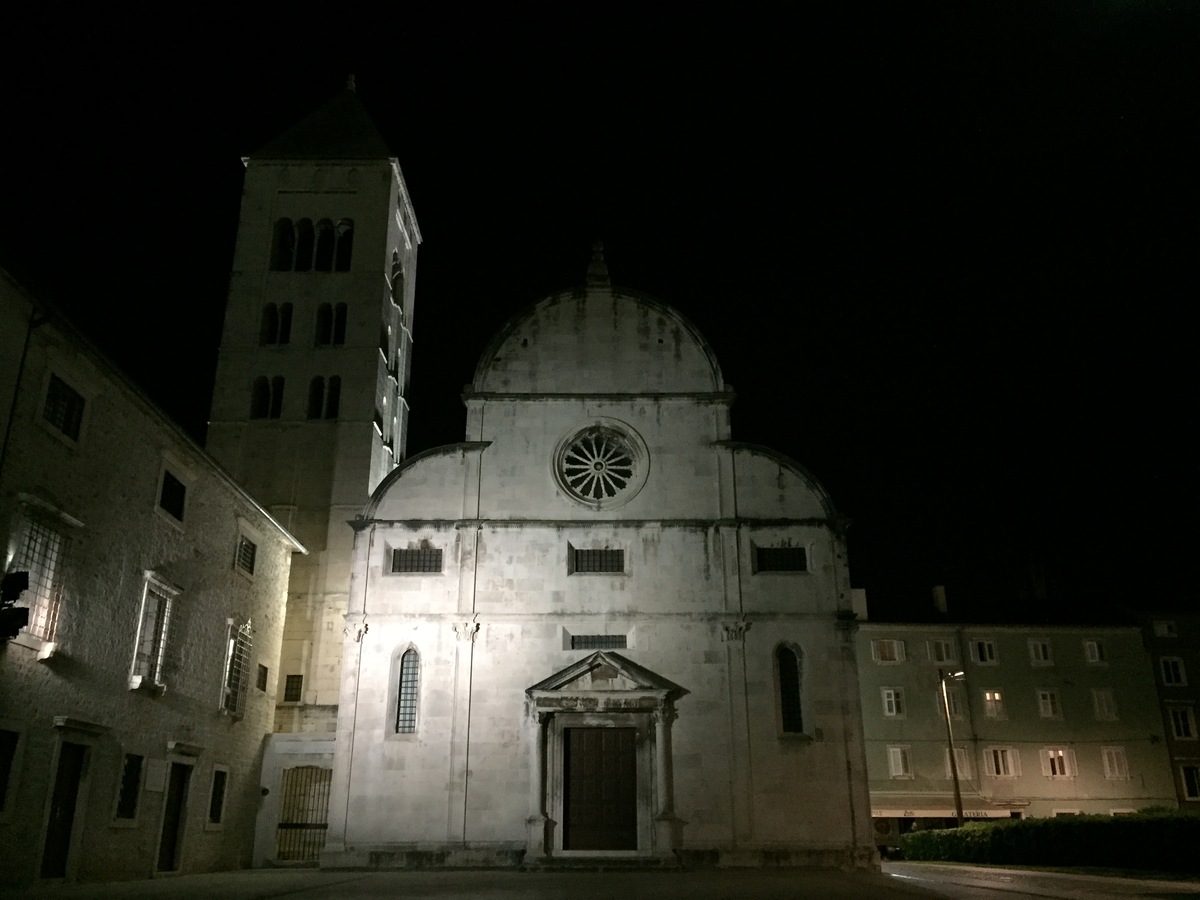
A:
x: 598, y: 626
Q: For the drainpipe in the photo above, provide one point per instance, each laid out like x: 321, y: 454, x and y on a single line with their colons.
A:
x: 35, y: 321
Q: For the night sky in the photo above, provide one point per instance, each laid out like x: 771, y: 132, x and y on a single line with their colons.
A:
x: 945, y: 253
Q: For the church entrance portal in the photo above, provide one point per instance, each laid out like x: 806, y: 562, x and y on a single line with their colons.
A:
x: 599, y: 789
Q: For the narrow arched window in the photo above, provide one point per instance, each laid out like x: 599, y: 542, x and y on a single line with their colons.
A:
x: 324, y: 324
x: 345, y: 244
x: 339, y: 324
x: 283, y: 246
x: 276, y: 397
x: 334, y: 398
x: 406, y: 698
x: 316, y: 397
x: 397, y: 280
x: 260, y: 398
x: 789, y: 670
x: 324, y: 260
x: 268, y: 331
x: 285, y: 323
x: 304, y: 245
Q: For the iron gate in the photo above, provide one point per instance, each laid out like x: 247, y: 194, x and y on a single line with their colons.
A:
x: 303, y: 813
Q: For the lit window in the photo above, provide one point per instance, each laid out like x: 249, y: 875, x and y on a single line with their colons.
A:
x: 1048, y: 705
x: 1058, y: 762
x: 130, y: 787
x: 40, y: 554
x: 1116, y: 766
x: 993, y: 704
x: 63, y: 408
x: 172, y: 494
x: 962, y: 759
x: 293, y: 689
x: 153, y: 625
x: 417, y: 559
x: 941, y: 651
x: 1002, y: 762
x: 1173, y: 672
x: 789, y: 668
x: 1105, y: 704
x: 780, y: 559
x: 984, y: 653
x: 893, y: 702
x: 1040, y: 653
x: 247, y: 552
x: 1094, y: 653
x: 406, y: 702
x: 1183, y: 723
x: 604, y: 560
x: 887, y: 651
x: 216, y: 797
x: 898, y: 763
x: 237, y: 668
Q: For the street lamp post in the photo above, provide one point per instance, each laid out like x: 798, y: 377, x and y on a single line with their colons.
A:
x: 944, y: 677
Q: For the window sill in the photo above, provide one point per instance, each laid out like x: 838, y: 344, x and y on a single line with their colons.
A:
x: 123, y: 823
x: 44, y: 649
x: 145, y: 685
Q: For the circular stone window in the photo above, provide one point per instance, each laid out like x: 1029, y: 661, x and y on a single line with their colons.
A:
x: 601, y: 466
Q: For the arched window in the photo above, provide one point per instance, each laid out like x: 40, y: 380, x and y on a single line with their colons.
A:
x: 304, y: 245
x: 397, y: 279
x: 406, y: 692
x: 339, y: 324
x: 316, y: 397
x: 260, y: 398
x: 324, y: 324
x: 276, y: 397
x: 285, y: 323
x: 345, y: 244
x: 334, y: 398
x: 325, y: 238
x: 283, y: 246
x: 268, y: 332
x: 789, y: 670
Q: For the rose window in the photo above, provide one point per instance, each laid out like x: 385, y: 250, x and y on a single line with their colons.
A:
x: 597, y: 465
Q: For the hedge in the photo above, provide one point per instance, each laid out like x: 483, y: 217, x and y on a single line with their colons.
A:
x: 1166, y: 842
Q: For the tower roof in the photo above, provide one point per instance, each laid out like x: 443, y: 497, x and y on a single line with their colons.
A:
x: 340, y: 129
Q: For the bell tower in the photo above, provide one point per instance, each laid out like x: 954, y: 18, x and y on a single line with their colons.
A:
x: 309, y: 411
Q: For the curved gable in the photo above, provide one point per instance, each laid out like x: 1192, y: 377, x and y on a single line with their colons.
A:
x: 426, y: 486
x: 772, y: 485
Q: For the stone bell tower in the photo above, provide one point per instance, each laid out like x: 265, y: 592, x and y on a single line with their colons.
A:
x: 309, y: 411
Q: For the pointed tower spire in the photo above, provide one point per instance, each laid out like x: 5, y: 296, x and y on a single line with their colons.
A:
x: 597, y: 273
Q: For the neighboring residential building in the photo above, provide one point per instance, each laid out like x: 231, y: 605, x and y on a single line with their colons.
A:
x: 1046, y: 721
x: 1174, y: 642
x: 133, y: 704
x: 598, y: 626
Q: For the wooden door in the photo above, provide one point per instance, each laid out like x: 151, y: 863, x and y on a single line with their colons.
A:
x: 170, y: 845
x: 599, y: 789
x: 62, y: 810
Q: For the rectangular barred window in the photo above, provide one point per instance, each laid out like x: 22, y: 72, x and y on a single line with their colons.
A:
x: 598, y: 642
x: 605, y: 560
x: 64, y: 407
x: 780, y: 559
x: 293, y: 689
x: 247, y: 550
x: 237, y: 668
x: 419, y: 559
x: 40, y: 555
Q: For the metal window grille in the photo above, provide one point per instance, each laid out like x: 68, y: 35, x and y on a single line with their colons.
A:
x: 780, y: 559
x: 406, y: 702
x: 418, y: 559
x: 152, y: 632
x: 41, y: 554
x: 64, y: 407
x: 303, y: 810
x: 237, y: 669
x: 293, y: 688
x: 605, y: 560
x: 131, y: 781
x: 247, y: 551
x: 790, y: 672
x: 598, y: 642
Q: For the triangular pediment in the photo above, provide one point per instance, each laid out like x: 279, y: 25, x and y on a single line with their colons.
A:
x: 606, y: 671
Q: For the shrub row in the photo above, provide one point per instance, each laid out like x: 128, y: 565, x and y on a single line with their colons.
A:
x: 1168, y: 842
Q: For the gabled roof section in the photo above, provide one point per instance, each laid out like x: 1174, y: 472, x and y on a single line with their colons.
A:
x: 341, y: 129
x: 623, y: 674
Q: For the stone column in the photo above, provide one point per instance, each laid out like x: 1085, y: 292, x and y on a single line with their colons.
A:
x: 666, y: 825
x: 538, y: 824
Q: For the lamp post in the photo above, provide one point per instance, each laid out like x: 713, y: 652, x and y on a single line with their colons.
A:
x: 944, y: 677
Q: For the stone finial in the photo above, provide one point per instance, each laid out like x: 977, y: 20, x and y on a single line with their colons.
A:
x: 597, y: 273
x: 350, y: 83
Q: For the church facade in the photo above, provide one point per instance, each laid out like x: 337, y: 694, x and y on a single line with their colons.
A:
x: 599, y: 626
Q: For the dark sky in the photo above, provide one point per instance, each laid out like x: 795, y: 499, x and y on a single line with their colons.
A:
x: 945, y: 253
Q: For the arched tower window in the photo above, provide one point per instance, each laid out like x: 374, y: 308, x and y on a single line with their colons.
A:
x: 283, y: 246
x: 406, y: 692
x: 260, y: 398
x: 334, y: 398
x: 285, y: 323
x: 268, y: 332
x: 276, y: 397
x: 789, y: 670
x: 316, y: 397
x: 324, y: 324
x: 304, y: 245
x: 339, y: 324
x: 397, y: 279
x: 325, y: 238
x: 345, y: 245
